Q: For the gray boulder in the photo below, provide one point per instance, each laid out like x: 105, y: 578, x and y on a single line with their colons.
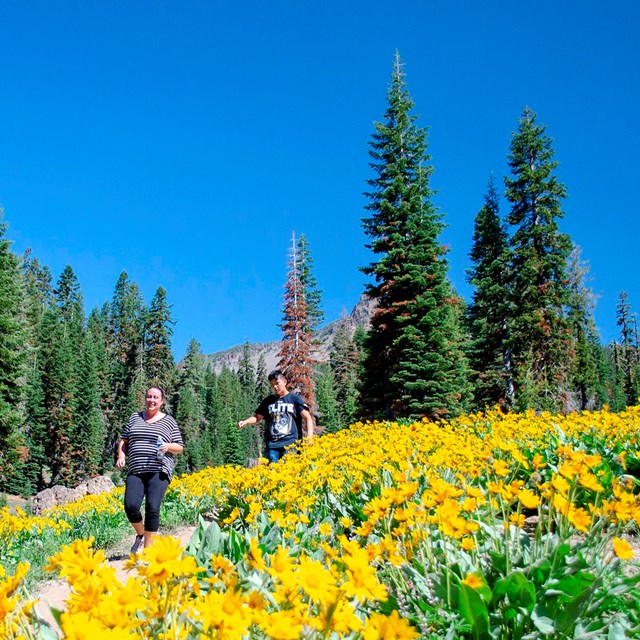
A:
x: 58, y: 495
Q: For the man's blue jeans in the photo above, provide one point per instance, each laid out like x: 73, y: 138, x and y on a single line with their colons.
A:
x: 273, y: 455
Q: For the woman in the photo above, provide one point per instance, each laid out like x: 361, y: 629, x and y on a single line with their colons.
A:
x: 149, y: 443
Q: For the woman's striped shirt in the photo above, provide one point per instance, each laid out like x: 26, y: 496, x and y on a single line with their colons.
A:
x: 142, y: 444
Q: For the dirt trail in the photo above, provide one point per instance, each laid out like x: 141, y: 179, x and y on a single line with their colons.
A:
x: 54, y: 593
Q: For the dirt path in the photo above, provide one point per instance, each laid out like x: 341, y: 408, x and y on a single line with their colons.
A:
x: 53, y: 593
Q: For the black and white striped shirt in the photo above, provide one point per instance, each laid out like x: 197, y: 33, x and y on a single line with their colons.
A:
x: 142, y: 444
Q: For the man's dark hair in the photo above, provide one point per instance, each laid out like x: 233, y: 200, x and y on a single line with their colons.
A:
x: 275, y: 374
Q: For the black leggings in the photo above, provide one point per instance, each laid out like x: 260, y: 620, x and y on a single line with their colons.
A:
x: 151, y: 485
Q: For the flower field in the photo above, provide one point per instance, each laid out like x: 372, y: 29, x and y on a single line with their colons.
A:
x: 488, y: 526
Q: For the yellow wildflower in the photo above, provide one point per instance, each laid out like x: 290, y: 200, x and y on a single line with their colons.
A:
x: 517, y: 519
x: 622, y: 549
x: 393, y: 627
x: 316, y: 581
x: 528, y: 499
x: 473, y: 580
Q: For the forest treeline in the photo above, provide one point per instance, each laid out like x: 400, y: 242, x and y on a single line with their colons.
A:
x: 526, y: 339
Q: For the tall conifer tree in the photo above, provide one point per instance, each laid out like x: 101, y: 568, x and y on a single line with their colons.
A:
x: 262, y: 384
x: 626, y: 351
x: 90, y: 424
x: 539, y: 336
x: 14, y: 342
x: 414, y: 364
x: 61, y: 344
x: 159, y: 365
x: 345, y: 361
x: 588, y: 359
x: 190, y: 409
x: 294, y: 356
x: 329, y: 415
x: 232, y: 442
x: 312, y: 293
x: 38, y: 289
x: 247, y: 374
x: 124, y: 341
x: 489, y: 354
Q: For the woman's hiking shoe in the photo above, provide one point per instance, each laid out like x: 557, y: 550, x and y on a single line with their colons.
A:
x: 137, y: 544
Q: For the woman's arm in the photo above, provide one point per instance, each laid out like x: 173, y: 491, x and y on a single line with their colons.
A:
x: 171, y: 447
x: 122, y: 448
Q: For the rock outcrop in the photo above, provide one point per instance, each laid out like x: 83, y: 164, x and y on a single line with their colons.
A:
x: 59, y: 495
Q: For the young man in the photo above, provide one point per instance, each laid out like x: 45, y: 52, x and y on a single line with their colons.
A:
x: 284, y: 412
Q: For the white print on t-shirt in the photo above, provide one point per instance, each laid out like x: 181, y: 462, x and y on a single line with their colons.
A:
x: 281, y: 414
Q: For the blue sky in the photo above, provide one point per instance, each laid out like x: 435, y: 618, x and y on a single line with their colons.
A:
x: 184, y: 142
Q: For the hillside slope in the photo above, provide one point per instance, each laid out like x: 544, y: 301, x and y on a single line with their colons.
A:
x: 359, y: 316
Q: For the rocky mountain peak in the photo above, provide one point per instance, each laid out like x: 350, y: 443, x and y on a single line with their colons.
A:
x: 360, y: 316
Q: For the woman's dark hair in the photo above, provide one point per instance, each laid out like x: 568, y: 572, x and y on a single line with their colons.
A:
x: 154, y: 386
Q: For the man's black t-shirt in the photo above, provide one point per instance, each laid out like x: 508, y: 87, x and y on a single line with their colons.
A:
x: 284, y: 419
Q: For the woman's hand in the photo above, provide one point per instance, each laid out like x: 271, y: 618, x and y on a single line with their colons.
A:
x: 171, y: 447
x: 120, y: 461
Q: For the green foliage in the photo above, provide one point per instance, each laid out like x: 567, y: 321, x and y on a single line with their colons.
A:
x: 590, y: 379
x: 328, y: 409
x: 414, y: 364
x: 190, y: 411
x: 228, y: 407
x: 489, y: 310
x: 294, y: 355
x: 345, y: 360
x: 538, y: 329
x: 124, y: 342
x: 627, y: 358
x: 159, y: 366
x: 14, y: 343
x: 312, y: 293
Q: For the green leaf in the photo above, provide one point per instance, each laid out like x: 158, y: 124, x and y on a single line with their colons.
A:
x: 237, y: 546
x: 474, y: 610
x: 570, y: 611
x: 542, y: 623
x: 569, y: 587
x: 541, y: 571
x: 389, y: 605
x: 519, y: 590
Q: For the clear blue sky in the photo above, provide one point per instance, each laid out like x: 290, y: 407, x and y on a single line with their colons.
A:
x: 183, y: 142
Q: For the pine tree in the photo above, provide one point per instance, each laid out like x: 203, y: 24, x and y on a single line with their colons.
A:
x: 247, y: 374
x: 414, y: 364
x: 90, y: 426
x: 61, y: 344
x: 588, y: 356
x: 190, y: 410
x: 14, y: 343
x: 262, y: 383
x: 38, y: 289
x: 627, y: 350
x: 39, y: 298
x: 329, y: 415
x: 250, y: 400
x: 232, y: 442
x: 159, y: 366
x: 124, y: 339
x: 345, y: 360
x: 312, y: 293
x: 294, y: 356
x: 36, y: 469
x: 489, y: 355
x: 539, y: 336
